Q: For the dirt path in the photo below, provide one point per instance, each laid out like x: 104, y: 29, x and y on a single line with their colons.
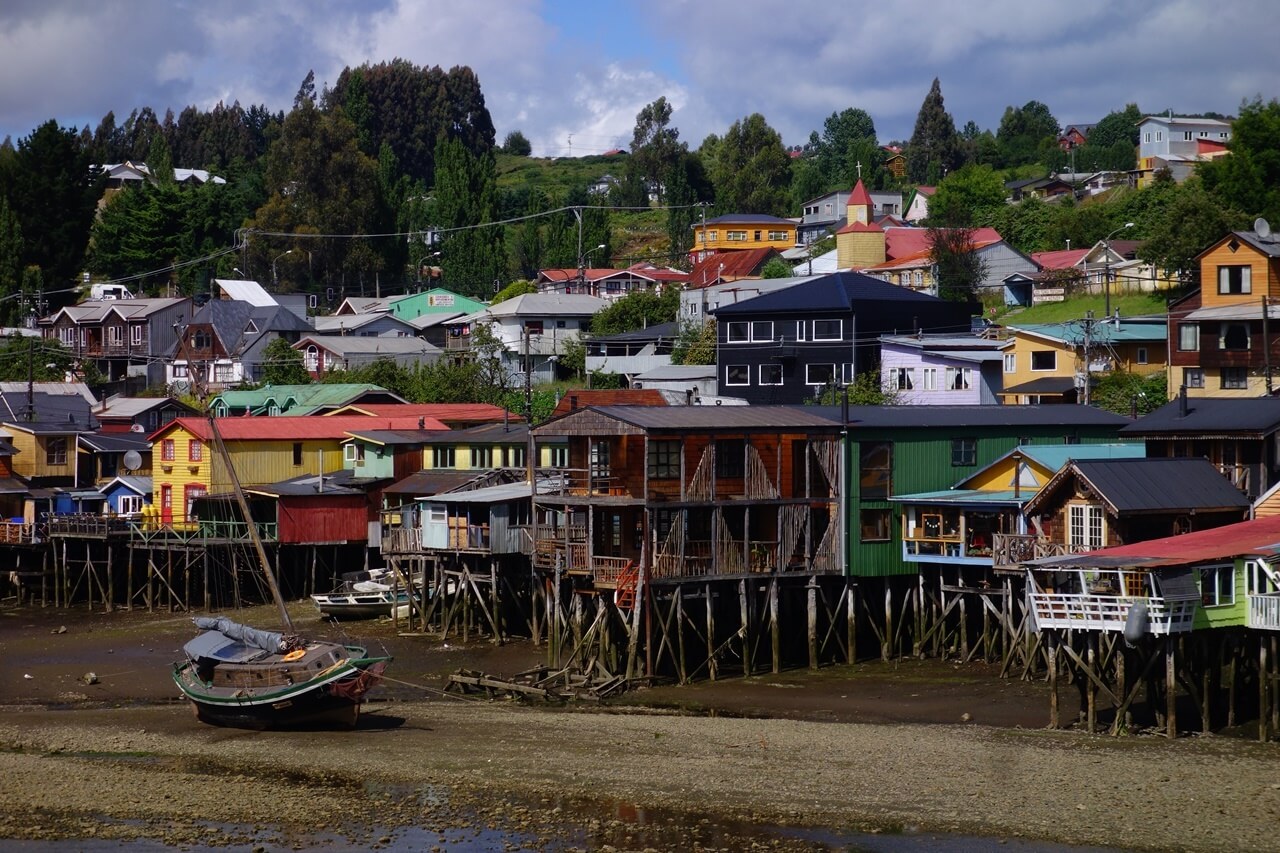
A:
x: 829, y: 750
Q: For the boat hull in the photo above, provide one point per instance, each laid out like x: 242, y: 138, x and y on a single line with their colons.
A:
x: 346, y: 605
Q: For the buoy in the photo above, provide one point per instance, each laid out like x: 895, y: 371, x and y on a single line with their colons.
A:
x: 1135, y: 624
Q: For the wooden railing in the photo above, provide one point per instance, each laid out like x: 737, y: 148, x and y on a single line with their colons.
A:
x: 606, y: 570
x: 1012, y: 549
x: 86, y: 524
x: 237, y: 530
x: 401, y: 539
x: 1087, y: 612
x: 17, y: 533
x: 1264, y: 611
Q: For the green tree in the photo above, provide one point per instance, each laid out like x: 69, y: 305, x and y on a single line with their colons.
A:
x: 514, y: 289
x: 752, y: 170
x: 934, y: 148
x: 776, y: 268
x: 1112, y: 144
x: 1192, y: 222
x: 1123, y: 393
x: 696, y: 344
x: 1022, y: 132
x: 681, y: 214
x: 655, y: 145
x: 10, y: 259
x: 965, y: 195
x: 283, y: 365
x: 639, y: 309
x: 48, y: 360
x: 845, y: 136
x: 472, y: 257
x: 1248, y: 177
x: 958, y: 269
x: 54, y: 195
x: 516, y: 144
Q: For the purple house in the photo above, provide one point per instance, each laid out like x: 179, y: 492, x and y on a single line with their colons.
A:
x: 942, y: 370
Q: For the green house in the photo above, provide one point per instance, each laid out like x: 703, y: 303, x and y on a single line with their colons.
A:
x: 902, y: 450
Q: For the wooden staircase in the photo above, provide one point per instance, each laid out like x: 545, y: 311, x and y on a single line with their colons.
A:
x: 628, y: 584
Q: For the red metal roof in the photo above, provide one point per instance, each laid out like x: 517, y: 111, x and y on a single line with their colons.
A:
x: 900, y: 242
x: 730, y: 266
x: 1259, y: 536
x: 859, y: 226
x: 450, y: 412
x: 859, y: 195
x: 620, y: 397
x: 287, y: 429
x: 1059, y: 259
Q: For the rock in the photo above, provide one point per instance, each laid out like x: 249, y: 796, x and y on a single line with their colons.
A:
x: 90, y: 678
x: 61, y: 629
x: 966, y: 717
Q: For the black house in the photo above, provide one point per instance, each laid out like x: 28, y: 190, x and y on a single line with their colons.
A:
x: 788, y: 346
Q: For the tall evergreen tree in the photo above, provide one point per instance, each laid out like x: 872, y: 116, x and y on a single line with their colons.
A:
x: 472, y: 258
x: 934, y: 147
x: 10, y: 257
x: 752, y: 171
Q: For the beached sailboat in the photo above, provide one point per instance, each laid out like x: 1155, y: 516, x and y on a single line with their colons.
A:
x: 239, y: 676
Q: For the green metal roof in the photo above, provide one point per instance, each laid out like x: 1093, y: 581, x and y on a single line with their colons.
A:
x: 1129, y: 330
x: 310, y: 396
x: 967, y: 497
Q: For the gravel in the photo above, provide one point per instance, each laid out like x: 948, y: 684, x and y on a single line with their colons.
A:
x: 446, y: 766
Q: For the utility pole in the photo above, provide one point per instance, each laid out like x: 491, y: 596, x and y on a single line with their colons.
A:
x: 31, y: 379
x: 1266, y: 343
x: 1088, y: 364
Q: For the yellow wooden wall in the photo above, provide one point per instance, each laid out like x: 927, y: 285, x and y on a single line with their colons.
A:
x: 860, y: 249
x: 721, y: 242
x: 31, y: 460
x: 462, y: 460
x: 999, y: 477
x: 1264, y: 275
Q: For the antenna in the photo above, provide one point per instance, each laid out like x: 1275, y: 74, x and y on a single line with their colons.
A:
x: 1262, y: 227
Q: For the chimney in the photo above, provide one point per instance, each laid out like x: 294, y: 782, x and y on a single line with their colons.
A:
x: 688, y: 397
x: 1182, y: 402
x: 422, y: 423
x: 573, y: 402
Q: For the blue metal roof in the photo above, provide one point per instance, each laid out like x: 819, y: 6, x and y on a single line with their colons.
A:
x: 840, y: 291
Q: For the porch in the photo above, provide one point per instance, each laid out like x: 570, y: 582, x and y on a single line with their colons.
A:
x: 1011, y: 550
x: 1102, y: 600
x: 1264, y: 611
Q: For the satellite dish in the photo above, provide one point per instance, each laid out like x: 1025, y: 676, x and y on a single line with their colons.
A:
x: 137, y: 428
x: 1262, y: 227
x: 132, y: 460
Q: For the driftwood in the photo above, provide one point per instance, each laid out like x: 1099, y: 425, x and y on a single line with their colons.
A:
x: 592, y: 683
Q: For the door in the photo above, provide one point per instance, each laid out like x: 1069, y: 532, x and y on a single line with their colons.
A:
x: 435, y: 526
x: 166, y: 504
x: 193, y: 491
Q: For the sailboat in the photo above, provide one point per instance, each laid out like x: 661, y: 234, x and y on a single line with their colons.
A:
x: 235, y: 675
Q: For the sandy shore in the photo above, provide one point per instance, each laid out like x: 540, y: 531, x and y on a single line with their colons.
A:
x: 111, y: 761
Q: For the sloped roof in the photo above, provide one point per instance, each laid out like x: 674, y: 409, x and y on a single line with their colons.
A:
x: 859, y: 194
x: 1130, y: 330
x: 1059, y: 259
x: 348, y: 345
x: 704, y: 418
x: 677, y: 373
x: 1148, y: 485
x: 729, y: 265
x: 1052, y: 457
x: 130, y: 407
x: 1259, y: 537
x: 52, y: 412
x: 447, y: 412
x: 656, y: 332
x: 246, y: 291
x: 924, y: 417
x: 345, y: 322
x: 840, y: 291
x: 582, y: 398
x: 434, y: 481
x: 115, y: 442
x: 550, y: 304
x: 907, y: 240
x: 276, y: 429
x: 139, y: 485
x: 746, y: 219
x: 1210, y: 417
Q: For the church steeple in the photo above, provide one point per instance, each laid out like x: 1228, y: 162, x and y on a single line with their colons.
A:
x: 859, y: 205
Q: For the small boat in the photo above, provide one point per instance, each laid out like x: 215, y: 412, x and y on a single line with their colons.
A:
x: 362, y: 595
x: 235, y: 675
x: 239, y: 676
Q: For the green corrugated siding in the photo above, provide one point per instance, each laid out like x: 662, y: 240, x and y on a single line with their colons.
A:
x: 922, y: 463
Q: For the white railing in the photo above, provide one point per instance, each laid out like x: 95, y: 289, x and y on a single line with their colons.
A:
x: 1109, y: 612
x: 1264, y: 611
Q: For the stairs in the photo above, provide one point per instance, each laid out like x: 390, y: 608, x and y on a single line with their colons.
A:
x: 628, y: 584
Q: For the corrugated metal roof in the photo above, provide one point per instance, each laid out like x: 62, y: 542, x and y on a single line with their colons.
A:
x: 348, y: 345
x: 1164, y: 484
x: 1210, y: 416
x: 1135, y: 330
x: 433, y: 482
x: 723, y: 418
x: 841, y: 291
x: 965, y: 497
x: 1258, y: 537
x: 495, y: 494
x: 288, y: 429
x: 246, y: 291
x: 448, y: 412
x: 907, y: 417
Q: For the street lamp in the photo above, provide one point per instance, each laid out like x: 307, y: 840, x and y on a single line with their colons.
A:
x: 417, y: 268
x: 582, y: 266
x: 239, y: 272
x: 275, y: 279
x: 1106, y: 281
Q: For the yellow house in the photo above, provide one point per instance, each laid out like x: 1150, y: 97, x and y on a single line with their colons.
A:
x: 45, y: 451
x: 742, y: 231
x: 264, y: 450
x: 491, y: 446
x: 1047, y: 363
x: 1219, y: 336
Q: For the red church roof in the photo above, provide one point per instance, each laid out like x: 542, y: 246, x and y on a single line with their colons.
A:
x: 859, y: 195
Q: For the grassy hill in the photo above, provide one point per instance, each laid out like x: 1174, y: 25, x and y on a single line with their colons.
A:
x: 1076, y: 307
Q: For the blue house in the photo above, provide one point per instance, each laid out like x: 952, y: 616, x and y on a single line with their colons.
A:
x: 127, y: 495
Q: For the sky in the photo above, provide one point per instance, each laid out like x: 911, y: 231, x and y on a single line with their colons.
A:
x: 572, y: 74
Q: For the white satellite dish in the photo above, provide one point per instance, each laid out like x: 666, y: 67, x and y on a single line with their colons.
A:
x: 1262, y: 228
x: 137, y: 428
x: 132, y: 460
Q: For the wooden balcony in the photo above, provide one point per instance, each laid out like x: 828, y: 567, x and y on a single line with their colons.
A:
x: 18, y: 533
x: 401, y: 540
x: 1264, y: 611
x: 86, y: 525
x: 1009, y: 550
x: 1110, y: 612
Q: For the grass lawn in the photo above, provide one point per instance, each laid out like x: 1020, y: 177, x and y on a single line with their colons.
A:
x: 1075, y: 308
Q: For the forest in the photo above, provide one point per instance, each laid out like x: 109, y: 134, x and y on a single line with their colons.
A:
x: 395, y: 173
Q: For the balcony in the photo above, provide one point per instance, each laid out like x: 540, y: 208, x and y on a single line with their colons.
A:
x: 401, y: 540
x: 1101, y: 601
x: 1264, y: 611
x: 1009, y: 550
x: 581, y: 482
x: 86, y: 525
x: 18, y: 533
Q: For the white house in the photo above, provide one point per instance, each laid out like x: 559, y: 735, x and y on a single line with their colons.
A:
x: 539, y: 324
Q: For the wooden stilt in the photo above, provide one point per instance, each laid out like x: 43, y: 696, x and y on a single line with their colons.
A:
x: 851, y: 620
x: 1264, y: 692
x: 745, y: 612
x: 678, y: 605
x: 775, y: 632
x: 812, y: 613
x: 1091, y: 688
x: 887, y: 640
x: 711, y: 633
x: 1171, y: 687
x: 1052, y: 641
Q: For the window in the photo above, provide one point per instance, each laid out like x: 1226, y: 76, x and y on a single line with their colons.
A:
x: 442, y: 457
x: 1142, y: 355
x: 875, y: 524
x: 729, y: 457
x: 1146, y: 137
x: 762, y: 330
x: 68, y: 336
x: 1187, y: 136
x: 533, y: 327
x: 1217, y: 585
x: 515, y: 457
x: 481, y: 456
x: 600, y: 459
x: 1259, y: 581
x: 738, y: 332
x: 129, y: 504
x: 115, y: 335
x: 166, y: 450
x: 1234, y: 336
x: 964, y: 451
x: 1044, y: 360
x: 195, y: 451
x: 1235, y: 378
x: 1159, y: 136
x: 771, y: 374
x: 135, y: 334
x: 819, y: 374
x: 1010, y: 362
x: 930, y: 377
x: 735, y: 236
x: 664, y: 460
x: 904, y: 379
x: 712, y: 236
x: 1188, y: 337
x: 755, y: 235
x: 828, y: 330
x: 223, y: 372
x: 200, y: 340
x: 737, y: 374
x: 1235, y: 280
x: 958, y: 378
x: 846, y: 373
x: 558, y: 456
x: 55, y: 452
x: 350, y: 453
x: 194, y: 491
x: 775, y: 236
x: 311, y: 358
x: 875, y: 466
x: 1193, y: 377
x: 1084, y: 526
x: 297, y: 452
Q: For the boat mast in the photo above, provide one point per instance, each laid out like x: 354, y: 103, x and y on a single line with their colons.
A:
x: 252, y: 527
